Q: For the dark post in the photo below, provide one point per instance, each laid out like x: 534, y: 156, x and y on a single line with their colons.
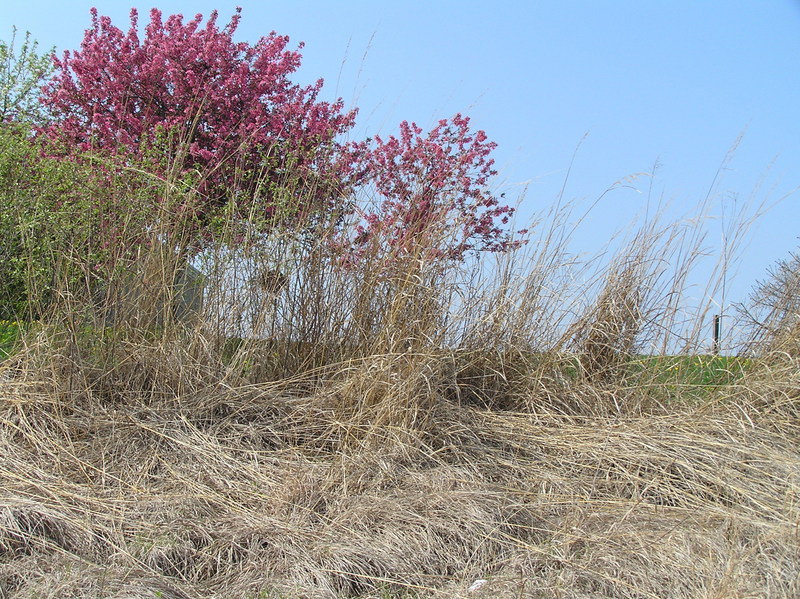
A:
x: 717, y: 329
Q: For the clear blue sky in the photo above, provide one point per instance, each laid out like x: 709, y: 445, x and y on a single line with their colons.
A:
x: 673, y: 83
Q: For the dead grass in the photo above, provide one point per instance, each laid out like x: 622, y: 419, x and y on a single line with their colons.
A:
x: 399, y: 427
x: 268, y: 490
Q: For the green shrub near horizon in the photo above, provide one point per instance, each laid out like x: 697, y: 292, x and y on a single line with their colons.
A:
x: 698, y: 369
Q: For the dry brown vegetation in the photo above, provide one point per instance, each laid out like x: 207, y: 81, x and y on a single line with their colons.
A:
x: 399, y: 428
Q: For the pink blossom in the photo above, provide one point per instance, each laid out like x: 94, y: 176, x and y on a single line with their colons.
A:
x: 433, y: 185
x: 232, y: 103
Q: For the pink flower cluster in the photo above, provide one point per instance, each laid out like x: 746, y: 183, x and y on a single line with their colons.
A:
x: 436, y: 185
x: 233, y: 105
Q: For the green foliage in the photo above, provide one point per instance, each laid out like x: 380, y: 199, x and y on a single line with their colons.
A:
x: 22, y: 71
x: 64, y: 224
x: 16, y: 154
x: 30, y: 225
x: 9, y: 335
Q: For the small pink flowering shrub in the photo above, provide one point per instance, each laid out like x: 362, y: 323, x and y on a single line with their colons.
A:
x: 436, y: 186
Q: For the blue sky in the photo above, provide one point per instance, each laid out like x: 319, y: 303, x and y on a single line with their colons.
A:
x: 633, y: 83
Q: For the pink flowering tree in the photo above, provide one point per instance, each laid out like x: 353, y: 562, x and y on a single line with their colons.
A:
x: 434, y: 192
x: 189, y: 97
x: 184, y: 100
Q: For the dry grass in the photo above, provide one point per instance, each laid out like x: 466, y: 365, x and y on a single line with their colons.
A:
x: 257, y: 490
x: 397, y: 428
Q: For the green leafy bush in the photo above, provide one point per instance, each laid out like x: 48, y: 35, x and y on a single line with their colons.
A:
x: 9, y: 335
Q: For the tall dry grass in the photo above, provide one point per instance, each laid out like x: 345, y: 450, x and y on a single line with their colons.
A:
x: 394, y: 427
